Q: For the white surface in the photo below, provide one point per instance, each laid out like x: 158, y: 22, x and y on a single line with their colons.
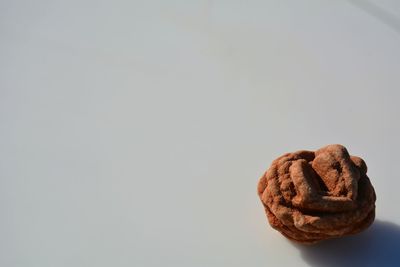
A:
x: 134, y: 133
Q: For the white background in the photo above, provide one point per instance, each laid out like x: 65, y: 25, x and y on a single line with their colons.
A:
x: 134, y: 133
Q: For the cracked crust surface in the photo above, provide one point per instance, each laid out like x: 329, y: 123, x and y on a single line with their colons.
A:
x: 311, y: 196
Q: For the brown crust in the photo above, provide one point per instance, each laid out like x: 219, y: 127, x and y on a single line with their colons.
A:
x: 311, y: 196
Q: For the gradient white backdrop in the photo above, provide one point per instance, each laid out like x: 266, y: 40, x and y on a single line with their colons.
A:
x: 133, y: 133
